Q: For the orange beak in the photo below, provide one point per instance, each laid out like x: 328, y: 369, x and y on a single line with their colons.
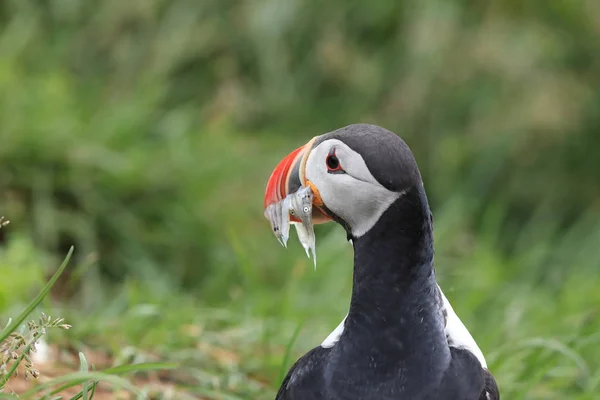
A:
x: 289, y: 176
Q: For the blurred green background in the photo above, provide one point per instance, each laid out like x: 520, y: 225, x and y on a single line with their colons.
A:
x: 143, y: 133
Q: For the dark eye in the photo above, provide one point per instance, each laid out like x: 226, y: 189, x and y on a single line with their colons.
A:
x: 332, y: 162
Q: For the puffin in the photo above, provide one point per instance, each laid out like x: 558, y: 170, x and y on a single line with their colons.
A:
x: 401, y: 338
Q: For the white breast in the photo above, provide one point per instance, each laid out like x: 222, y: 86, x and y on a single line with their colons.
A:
x: 456, y: 332
x: 334, y: 336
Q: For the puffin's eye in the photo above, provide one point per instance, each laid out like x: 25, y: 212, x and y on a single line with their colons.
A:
x: 333, y: 163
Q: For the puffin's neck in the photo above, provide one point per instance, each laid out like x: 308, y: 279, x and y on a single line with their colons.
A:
x: 394, y: 259
x: 393, y: 336
x: 399, y: 247
x: 395, y: 303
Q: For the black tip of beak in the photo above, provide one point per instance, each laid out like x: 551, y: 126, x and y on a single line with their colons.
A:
x: 293, y: 182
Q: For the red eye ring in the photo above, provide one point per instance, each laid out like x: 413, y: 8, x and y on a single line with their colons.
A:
x: 333, y: 162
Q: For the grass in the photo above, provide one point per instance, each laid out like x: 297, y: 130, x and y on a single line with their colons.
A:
x: 142, y: 134
x: 18, y: 348
x: 539, y: 331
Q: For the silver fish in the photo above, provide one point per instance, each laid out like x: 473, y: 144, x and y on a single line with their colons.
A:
x: 285, y: 220
x: 301, y: 202
x: 307, y: 239
x: 298, y: 204
x: 301, y: 206
x: 279, y: 218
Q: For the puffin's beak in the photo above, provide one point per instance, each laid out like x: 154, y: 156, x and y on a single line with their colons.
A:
x: 289, y: 176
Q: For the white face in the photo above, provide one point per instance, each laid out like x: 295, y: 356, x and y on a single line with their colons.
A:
x: 354, y: 195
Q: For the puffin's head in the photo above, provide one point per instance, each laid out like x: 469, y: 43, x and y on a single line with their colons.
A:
x: 355, y: 173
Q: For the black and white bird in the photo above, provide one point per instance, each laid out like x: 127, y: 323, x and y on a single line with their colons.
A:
x: 401, y: 338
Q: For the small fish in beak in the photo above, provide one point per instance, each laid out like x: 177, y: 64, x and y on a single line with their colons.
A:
x: 300, y: 206
x: 302, y: 203
x: 279, y: 220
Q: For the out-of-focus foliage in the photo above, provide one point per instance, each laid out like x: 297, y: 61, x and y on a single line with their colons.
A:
x: 143, y: 133
x: 19, y: 284
x: 130, y: 128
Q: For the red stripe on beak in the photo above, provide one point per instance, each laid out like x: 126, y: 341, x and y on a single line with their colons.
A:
x: 277, y: 184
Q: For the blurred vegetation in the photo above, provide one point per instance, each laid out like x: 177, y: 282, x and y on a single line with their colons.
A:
x: 143, y: 132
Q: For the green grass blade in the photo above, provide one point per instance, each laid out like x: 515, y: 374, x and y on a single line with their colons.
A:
x: 83, y: 368
x: 141, y: 367
x: 214, y: 394
x: 93, y: 389
x: 77, y: 378
x: 38, y: 299
x: 120, y: 370
x: 288, y: 352
x: 79, y: 395
x: 561, y: 348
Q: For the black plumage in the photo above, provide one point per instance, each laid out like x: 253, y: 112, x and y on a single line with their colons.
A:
x: 393, y: 345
